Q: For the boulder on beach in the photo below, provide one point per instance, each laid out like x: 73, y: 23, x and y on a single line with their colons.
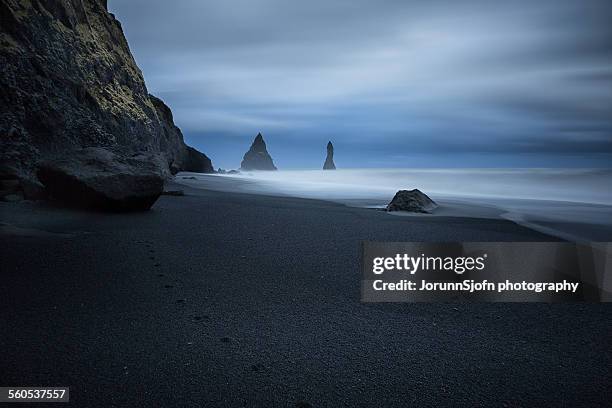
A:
x: 176, y: 193
x: 412, y: 201
x: 329, y: 160
x: 257, y: 158
x: 16, y: 189
x: 102, y: 179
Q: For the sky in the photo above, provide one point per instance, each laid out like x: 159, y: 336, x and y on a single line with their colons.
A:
x: 392, y: 83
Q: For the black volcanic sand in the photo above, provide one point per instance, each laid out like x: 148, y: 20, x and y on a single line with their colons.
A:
x: 221, y: 299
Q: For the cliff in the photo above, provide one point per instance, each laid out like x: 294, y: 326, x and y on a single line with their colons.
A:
x: 69, y: 81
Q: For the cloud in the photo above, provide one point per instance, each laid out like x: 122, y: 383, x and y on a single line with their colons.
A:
x: 477, y: 75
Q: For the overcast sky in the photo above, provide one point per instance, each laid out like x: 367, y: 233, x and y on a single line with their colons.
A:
x: 391, y: 83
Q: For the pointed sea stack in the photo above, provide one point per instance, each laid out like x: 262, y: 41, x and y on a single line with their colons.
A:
x: 329, y: 160
x: 257, y: 158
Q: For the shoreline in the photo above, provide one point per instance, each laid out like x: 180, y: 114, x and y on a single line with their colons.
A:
x: 30, y: 214
x: 570, y: 221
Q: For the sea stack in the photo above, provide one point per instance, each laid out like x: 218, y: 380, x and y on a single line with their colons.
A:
x: 257, y: 158
x: 329, y: 160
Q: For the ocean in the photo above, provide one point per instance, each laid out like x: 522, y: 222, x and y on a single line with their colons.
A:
x: 572, y: 203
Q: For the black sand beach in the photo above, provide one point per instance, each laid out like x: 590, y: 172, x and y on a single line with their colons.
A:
x: 226, y: 299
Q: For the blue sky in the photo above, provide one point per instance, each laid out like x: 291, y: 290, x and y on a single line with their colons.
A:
x: 391, y: 83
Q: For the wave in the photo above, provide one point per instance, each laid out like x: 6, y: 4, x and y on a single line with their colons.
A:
x: 578, y: 201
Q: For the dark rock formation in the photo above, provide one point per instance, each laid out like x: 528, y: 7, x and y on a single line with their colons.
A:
x: 257, y: 158
x: 15, y: 189
x: 69, y: 81
x: 195, y: 161
x: 179, y: 156
x: 223, y: 171
x: 103, y: 179
x: 329, y: 160
x: 411, y: 201
x: 10, y: 190
x: 177, y: 193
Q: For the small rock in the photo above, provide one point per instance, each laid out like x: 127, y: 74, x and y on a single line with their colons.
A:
x: 411, y: 201
x: 10, y: 198
x: 173, y: 193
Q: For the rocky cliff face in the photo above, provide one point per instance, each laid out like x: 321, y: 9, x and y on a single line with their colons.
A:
x: 329, y: 160
x: 69, y: 81
x: 257, y: 158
